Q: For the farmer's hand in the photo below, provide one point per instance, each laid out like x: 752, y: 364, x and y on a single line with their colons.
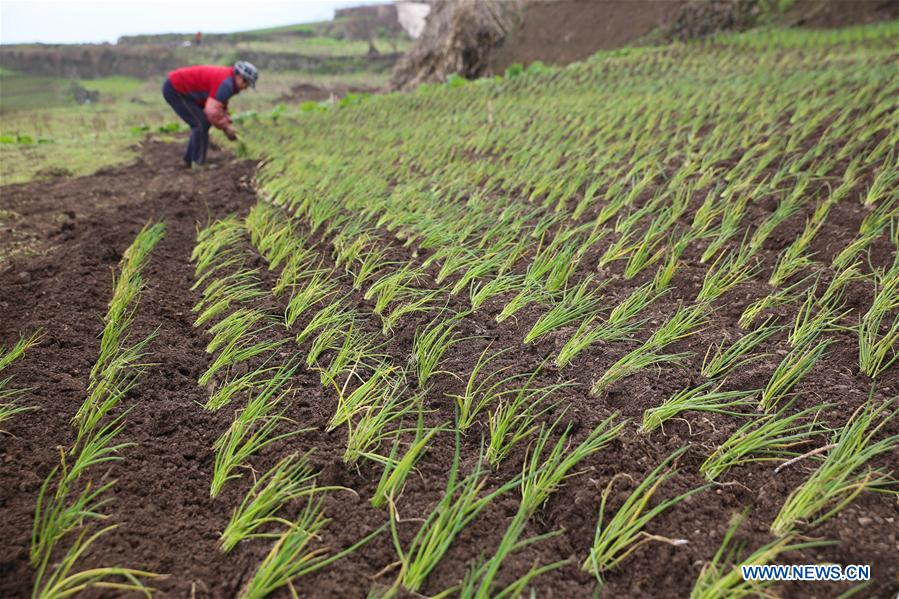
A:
x: 232, y: 135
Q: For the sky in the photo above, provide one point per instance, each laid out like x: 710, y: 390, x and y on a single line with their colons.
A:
x: 96, y: 21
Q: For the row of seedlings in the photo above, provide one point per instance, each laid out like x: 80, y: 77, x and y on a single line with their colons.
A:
x: 461, y: 502
x: 246, y: 366
x: 72, y: 497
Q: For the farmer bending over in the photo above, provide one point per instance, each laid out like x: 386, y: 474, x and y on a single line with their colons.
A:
x: 200, y: 96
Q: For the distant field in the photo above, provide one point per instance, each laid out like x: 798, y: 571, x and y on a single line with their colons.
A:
x: 64, y: 136
x: 29, y: 92
x: 115, y: 87
x: 314, y: 46
x: 43, y: 128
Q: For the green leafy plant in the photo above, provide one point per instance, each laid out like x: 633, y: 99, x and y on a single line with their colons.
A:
x: 816, y: 317
x: 543, y: 471
x: 720, y: 360
x: 239, y: 349
x: 331, y: 319
x: 460, y: 504
x: 216, y: 246
x: 878, y: 352
x: 251, y: 430
x: 619, y: 325
x: 704, y: 398
x: 771, y: 437
x: 685, y: 322
x: 368, y: 428
x: 430, y: 344
x: 292, y: 478
x: 575, y: 304
x: 377, y: 389
x: 781, y: 297
x: 8, y: 407
x: 623, y: 533
x: 239, y: 287
x: 56, y: 513
x: 319, y: 286
x: 723, y: 577
x: 396, y: 468
x: 794, y: 366
x: 63, y: 582
x: 726, y: 273
x: 515, y: 416
x: 527, y: 294
x: 842, y: 475
x: 292, y: 556
x: 481, y: 391
x: 8, y: 356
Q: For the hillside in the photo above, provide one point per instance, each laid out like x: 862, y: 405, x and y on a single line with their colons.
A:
x: 613, y: 329
x: 474, y: 39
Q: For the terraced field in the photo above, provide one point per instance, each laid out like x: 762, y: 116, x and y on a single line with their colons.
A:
x: 612, y: 329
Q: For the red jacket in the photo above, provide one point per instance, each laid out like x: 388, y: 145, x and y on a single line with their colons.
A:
x: 210, y: 87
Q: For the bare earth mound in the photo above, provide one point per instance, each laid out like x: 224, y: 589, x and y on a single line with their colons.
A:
x: 482, y: 38
x: 566, y: 31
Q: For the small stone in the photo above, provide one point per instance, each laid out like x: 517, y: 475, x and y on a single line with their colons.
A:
x: 864, y: 521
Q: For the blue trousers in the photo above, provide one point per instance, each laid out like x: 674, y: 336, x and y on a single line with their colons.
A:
x: 195, y: 118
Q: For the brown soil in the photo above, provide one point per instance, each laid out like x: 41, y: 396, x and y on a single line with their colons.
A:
x: 841, y: 13
x: 565, y: 31
x: 168, y: 523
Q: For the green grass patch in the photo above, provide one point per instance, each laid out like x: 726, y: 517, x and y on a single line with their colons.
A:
x: 115, y: 86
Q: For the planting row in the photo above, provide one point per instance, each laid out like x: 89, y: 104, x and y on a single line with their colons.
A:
x: 72, y: 502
